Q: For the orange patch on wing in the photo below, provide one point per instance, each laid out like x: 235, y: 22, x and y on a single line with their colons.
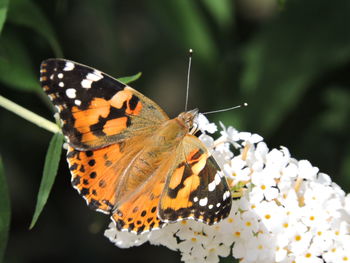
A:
x: 176, y: 177
x: 193, y: 156
x: 200, y: 164
x: 158, y: 189
x: 135, y: 111
x: 84, y: 118
x: 120, y: 97
x: 115, y: 126
x: 183, y: 195
x: 191, y: 182
x: 86, y: 137
x: 123, y: 96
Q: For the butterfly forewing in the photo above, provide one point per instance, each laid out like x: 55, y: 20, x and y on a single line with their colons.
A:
x: 96, y: 110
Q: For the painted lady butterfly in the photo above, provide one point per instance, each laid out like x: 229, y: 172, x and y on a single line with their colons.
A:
x: 127, y: 158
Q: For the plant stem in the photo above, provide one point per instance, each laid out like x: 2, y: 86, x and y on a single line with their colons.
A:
x: 28, y: 115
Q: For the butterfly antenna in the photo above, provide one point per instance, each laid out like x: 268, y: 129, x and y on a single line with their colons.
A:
x: 190, y: 52
x: 227, y: 109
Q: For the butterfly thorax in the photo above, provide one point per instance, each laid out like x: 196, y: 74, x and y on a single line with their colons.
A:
x: 172, y: 131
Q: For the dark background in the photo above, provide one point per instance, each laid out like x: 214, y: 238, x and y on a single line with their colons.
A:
x: 290, y: 60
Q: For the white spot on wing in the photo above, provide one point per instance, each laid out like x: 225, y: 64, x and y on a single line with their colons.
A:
x: 226, y: 195
x: 211, y: 186
x: 77, y: 102
x: 71, y: 93
x: 217, y: 179
x: 69, y: 66
x: 60, y: 75
x: 195, y: 199
x: 210, y: 206
x: 85, y: 83
x: 203, y: 201
x: 91, y: 77
x: 95, y: 76
x: 61, y: 84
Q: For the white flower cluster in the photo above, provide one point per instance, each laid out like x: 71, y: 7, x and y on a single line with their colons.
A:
x: 287, y: 211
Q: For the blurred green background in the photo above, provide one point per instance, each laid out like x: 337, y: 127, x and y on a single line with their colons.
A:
x: 289, y: 59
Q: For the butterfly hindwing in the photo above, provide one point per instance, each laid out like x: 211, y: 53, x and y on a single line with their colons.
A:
x: 96, y: 110
x: 195, y: 187
x: 94, y: 175
x: 139, y: 212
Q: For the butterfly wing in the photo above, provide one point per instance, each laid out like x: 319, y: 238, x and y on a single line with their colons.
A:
x: 194, y: 189
x: 93, y: 177
x: 139, y: 212
x: 105, y: 123
x: 96, y: 110
x: 96, y: 174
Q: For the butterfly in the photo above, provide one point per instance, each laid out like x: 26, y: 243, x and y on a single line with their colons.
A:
x: 127, y: 158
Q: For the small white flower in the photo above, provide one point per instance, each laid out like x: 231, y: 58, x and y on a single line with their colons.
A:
x: 237, y: 170
x: 271, y: 216
x: 260, y: 249
x: 264, y: 187
x: 300, y: 240
x: 308, y: 257
x: 306, y: 170
x: 229, y: 134
x: 124, y: 239
x: 204, y: 125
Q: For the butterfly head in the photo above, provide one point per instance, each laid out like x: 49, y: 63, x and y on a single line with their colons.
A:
x: 188, y: 118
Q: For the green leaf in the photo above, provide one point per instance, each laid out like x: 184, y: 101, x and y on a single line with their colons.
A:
x: 129, y: 79
x: 49, y: 174
x: 5, y: 212
x: 3, y: 12
x: 293, y: 51
x: 27, y: 13
x: 16, y: 69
